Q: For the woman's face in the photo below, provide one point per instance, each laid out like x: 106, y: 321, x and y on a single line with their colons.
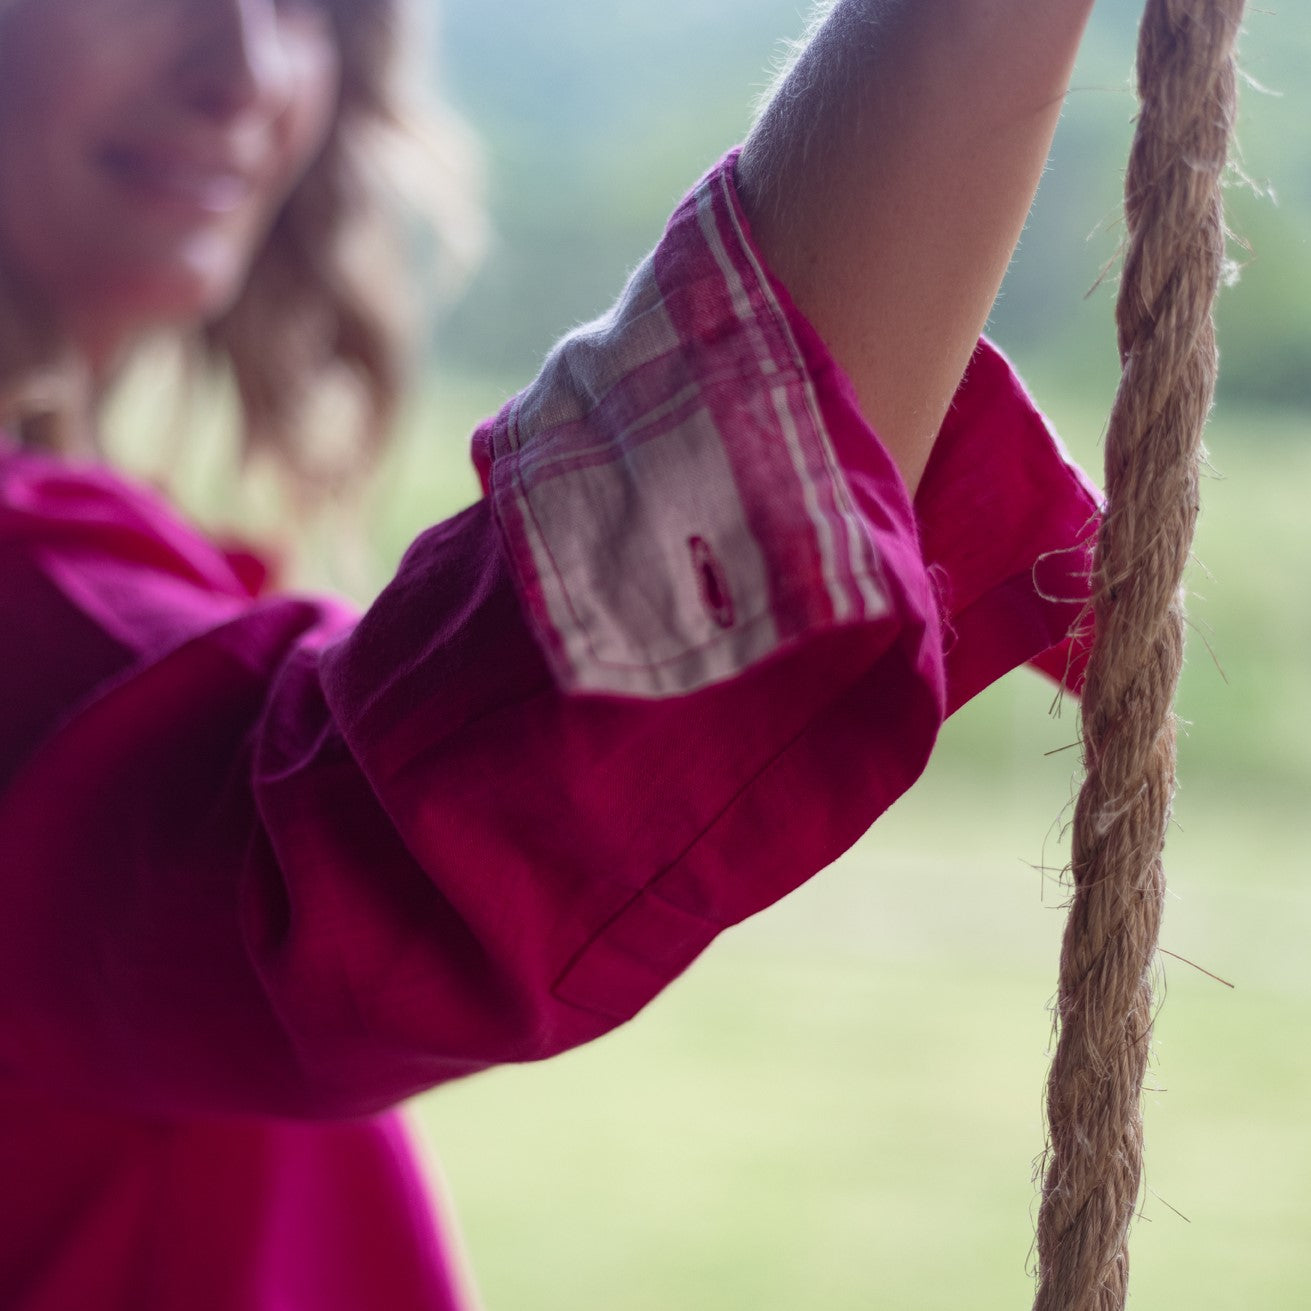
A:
x: 146, y: 147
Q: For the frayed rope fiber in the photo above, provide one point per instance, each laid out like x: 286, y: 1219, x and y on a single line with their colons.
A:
x: 1173, y: 267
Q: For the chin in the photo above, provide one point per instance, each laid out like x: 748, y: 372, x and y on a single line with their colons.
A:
x: 183, y: 299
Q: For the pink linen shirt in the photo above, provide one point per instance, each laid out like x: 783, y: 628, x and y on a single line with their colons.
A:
x: 271, y: 867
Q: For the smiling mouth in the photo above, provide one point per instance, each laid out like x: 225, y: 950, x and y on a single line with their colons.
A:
x: 176, y: 181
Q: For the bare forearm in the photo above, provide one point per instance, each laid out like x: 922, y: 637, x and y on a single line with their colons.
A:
x: 889, y: 179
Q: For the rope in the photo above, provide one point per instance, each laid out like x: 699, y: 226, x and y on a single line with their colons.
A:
x: 1176, y: 233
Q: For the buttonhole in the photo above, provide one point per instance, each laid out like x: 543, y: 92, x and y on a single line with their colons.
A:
x: 712, y: 582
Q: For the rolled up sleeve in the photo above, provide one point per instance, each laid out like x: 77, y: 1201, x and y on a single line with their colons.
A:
x: 276, y: 857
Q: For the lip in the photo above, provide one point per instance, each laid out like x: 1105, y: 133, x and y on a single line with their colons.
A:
x: 200, y: 183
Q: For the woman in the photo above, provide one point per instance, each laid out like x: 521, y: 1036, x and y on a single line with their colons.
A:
x: 271, y: 867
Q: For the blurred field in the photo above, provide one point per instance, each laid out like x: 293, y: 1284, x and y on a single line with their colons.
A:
x: 840, y: 1105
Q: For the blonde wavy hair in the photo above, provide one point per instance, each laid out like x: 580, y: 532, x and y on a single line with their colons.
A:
x: 325, y: 311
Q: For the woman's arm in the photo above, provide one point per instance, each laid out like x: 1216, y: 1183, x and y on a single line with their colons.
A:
x: 888, y: 180
x: 261, y: 857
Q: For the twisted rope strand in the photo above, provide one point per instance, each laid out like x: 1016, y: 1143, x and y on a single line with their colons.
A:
x: 1175, y: 220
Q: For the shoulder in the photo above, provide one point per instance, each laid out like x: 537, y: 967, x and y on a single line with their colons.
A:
x: 49, y: 503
